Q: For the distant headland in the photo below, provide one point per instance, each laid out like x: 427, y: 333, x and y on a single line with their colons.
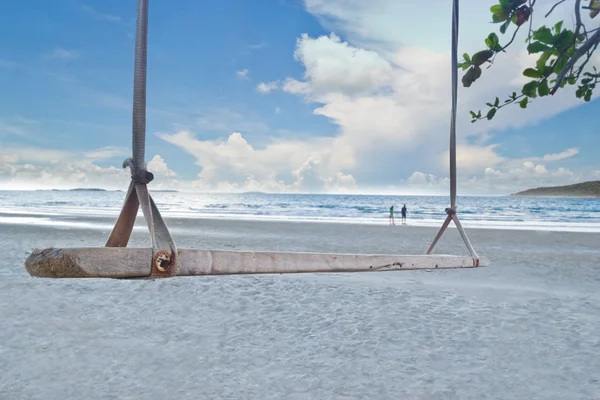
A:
x: 584, y: 189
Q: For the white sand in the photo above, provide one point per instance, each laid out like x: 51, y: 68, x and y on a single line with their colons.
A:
x: 527, y: 327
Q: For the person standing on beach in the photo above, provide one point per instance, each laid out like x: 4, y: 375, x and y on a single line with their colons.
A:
x: 392, y: 222
x: 404, y: 214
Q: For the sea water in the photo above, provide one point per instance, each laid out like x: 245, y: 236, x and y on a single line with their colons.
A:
x: 546, y: 214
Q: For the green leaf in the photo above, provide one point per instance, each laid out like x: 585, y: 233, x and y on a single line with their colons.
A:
x: 504, y: 26
x: 529, y: 89
x: 499, y: 13
x: 564, y: 39
x: 543, y: 89
x: 536, y: 47
x: 541, y: 62
x: 493, y: 42
x: 491, y: 113
x: 588, y: 95
x: 544, y: 35
x: 547, y: 71
x: 473, y: 115
x: 572, y: 80
x: 532, y: 73
x: 496, y: 9
x: 558, y: 26
x: 471, y: 76
x: 497, y: 102
x: 560, y: 64
x: 481, y: 56
x: 467, y: 57
x: 523, y: 103
x: 464, y: 65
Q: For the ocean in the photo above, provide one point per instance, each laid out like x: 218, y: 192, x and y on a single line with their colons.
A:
x: 545, y: 214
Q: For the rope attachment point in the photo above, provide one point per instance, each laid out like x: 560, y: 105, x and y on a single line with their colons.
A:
x: 138, y: 175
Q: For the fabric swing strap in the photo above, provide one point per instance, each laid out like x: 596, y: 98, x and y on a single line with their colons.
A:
x: 455, y: 17
x: 164, y: 251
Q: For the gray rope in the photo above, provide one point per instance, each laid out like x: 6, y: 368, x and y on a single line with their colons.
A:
x: 164, y: 252
x: 139, y: 86
x: 454, y: 101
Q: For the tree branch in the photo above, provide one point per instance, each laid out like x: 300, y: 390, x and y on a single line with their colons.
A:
x: 553, y: 7
x: 580, y: 52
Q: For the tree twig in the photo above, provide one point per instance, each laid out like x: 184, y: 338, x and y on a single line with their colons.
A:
x: 531, y: 4
x: 591, y: 42
x: 553, y: 7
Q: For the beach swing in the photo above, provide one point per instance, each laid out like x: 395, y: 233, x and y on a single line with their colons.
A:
x: 164, y: 259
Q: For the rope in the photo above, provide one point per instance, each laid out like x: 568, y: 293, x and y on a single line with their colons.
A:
x: 454, y: 101
x: 139, y: 86
x: 164, y: 251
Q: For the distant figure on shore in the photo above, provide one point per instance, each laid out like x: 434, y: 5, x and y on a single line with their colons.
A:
x: 392, y: 222
x: 403, y: 214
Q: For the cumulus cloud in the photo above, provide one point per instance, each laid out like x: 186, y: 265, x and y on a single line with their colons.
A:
x: 32, y: 168
x: 293, y: 166
x: 505, y: 176
x: 266, y: 87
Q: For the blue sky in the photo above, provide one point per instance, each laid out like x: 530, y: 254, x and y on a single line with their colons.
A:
x: 66, y: 70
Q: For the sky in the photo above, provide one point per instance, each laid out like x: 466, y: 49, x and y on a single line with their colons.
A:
x: 319, y: 96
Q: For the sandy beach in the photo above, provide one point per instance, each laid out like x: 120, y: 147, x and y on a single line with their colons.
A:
x: 524, y: 328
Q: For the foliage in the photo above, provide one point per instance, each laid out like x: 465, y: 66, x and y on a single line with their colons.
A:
x: 563, y: 54
x: 584, y: 189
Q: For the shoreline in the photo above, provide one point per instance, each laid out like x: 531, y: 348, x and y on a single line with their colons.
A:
x: 84, y: 220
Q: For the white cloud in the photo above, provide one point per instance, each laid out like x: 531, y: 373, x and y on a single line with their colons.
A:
x: 334, y: 66
x: 34, y: 168
x: 100, y: 15
x: 16, y: 126
x: 266, y: 87
x: 158, y: 167
x: 235, y: 165
x: 107, y: 153
x: 502, y: 176
x: 561, y: 156
x: 243, y: 74
x: 62, y: 54
x: 471, y: 158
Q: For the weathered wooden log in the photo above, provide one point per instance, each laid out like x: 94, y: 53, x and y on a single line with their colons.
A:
x: 122, y: 262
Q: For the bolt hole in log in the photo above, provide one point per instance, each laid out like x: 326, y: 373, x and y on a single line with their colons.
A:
x: 163, y: 261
